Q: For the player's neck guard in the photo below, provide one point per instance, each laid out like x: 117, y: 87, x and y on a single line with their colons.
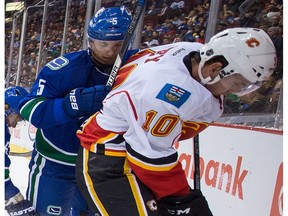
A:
x: 102, y: 68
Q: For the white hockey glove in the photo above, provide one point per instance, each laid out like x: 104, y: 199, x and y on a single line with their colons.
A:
x: 16, y: 205
x: 193, y: 204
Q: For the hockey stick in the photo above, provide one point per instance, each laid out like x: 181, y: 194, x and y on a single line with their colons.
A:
x: 196, y: 163
x: 137, y: 14
x: 21, y: 151
x: 21, y: 154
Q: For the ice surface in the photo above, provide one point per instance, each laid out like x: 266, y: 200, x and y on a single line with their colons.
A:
x: 19, y: 173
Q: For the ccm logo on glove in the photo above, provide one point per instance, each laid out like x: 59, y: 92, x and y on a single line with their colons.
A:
x: 193, y: 204
x: 179, y: 211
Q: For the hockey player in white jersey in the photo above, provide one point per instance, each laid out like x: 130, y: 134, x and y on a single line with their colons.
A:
x: 127, y: 164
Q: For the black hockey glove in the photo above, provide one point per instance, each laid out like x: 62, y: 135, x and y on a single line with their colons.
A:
x: 194, y: 204
x: 85, y: 101
x: 23, y: 208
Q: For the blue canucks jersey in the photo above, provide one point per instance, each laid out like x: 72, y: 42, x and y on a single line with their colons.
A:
x: 56, y: 131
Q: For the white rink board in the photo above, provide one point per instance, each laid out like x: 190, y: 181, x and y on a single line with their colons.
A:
x: 23, y: 136
x: 19, y: 174
x: 253, y: 160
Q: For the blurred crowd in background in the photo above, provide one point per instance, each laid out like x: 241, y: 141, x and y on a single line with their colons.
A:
x: 165, y: 21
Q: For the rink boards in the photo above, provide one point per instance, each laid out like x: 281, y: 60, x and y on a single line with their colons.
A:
x: 241, y: 167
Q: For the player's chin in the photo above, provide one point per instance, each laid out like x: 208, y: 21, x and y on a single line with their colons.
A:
x: 108, y: 61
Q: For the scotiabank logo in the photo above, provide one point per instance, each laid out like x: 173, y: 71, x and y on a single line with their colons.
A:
x: 277, y: 202
x: 225, y: 177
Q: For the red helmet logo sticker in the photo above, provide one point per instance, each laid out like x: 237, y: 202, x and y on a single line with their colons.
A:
x: 253, y: 42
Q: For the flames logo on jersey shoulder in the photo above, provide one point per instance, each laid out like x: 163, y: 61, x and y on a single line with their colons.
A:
x: 173, y: 94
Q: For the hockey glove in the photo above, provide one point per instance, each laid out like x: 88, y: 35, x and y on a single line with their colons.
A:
x: 193, y: 204
x: 23, y: 208
x: 85, y: 101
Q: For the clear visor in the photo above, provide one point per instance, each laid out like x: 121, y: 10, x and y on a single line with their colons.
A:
x: 246, y: 90
x: 234, y: 83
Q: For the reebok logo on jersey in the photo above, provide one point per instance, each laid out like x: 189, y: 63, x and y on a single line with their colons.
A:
x: 54, y: 210
x: 173, y: 94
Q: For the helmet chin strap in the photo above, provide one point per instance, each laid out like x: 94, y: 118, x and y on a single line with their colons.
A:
x: 216, y: 79
x: 203, y: 80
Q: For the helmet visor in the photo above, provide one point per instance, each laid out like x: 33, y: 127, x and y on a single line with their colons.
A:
x: 246, y: 90
x: 235, y: 84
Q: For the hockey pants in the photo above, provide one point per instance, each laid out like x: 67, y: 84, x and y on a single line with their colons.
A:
x: 110, y: 188
x: 52, y: 188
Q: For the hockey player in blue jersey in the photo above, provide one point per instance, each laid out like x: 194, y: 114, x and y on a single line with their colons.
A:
x: 67, y: 91
x: 15, y: 204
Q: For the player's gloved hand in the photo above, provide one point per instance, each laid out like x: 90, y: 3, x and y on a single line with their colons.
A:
x: 16, y: 205
x: 85, y: 101
x: 23, y: 208
x: 193, y: 204
x: 15, y: 199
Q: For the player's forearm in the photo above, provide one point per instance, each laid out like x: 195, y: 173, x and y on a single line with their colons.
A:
x: 45, y: 113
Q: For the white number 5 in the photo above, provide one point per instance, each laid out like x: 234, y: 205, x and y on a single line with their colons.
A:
x: 114, y: 21
x: 41, y: 86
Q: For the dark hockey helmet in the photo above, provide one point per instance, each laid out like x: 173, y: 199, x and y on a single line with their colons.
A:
x: 13, y: 95
x: 109, y: 24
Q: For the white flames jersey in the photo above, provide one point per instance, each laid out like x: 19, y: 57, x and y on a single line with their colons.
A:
x: 154, y: 102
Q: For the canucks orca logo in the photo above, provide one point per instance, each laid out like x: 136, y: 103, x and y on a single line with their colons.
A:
x: 57, y: 63
x: 173, y: 94
x: 54, y: 210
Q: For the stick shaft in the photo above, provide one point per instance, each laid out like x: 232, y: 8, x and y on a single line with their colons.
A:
x: 131, y: 29
x: 21, y: 154
x: 196, y: 163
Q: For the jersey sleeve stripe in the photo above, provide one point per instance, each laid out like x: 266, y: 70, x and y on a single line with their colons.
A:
x: 152, y: 164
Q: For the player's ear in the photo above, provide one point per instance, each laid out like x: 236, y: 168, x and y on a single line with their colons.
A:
x: 214, y: 69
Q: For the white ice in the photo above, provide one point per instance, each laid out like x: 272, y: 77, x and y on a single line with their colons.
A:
x: 19, y: 173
